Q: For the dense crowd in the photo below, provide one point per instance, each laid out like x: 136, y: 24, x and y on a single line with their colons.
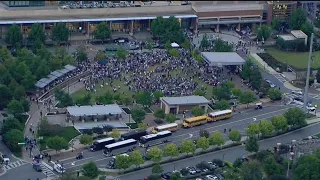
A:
x: 154, y: 71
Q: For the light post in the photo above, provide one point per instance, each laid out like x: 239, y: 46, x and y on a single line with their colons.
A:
x: 308, y: 75
x: 290, y: 160
x: 223, y: 157
x: 278, y: 147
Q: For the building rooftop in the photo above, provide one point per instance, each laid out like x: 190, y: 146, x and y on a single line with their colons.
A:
x: 229, y: 7
x: 94, y: 110
x: 287, y: 37
x: 185, y: 100
x: 222, y: 58
x: 299, y: 34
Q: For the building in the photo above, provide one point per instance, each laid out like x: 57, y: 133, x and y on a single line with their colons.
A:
x: 138, y: 16
x: 94, y: 113
x: 223, y: 58
x: 295, y: 35
x: 178, y: 105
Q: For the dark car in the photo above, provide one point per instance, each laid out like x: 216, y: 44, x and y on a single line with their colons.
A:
x: 37, y: 167
x: 166, y: 175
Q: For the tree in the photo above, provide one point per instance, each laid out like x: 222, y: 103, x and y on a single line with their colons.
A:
x: 171, y: 150
x: 176, y: 176
x: 28, y: 80
x: 6, y: 95
x: 204, y: 43
x: 81, y: 53
x: 295, y: 117
x: 90, y: 170
x: 107, y: 98
x: 121, y: 53
x: 123, y: 162
x: 12, y: 138
x: 25, y: 104
x: 127, y: 101
x: 271, y: 167
x: 154, y: 177
x: 115, y: 133
x: 278, y: 177
x: 264, y: 33
x: 170, y: 118
x: 249, y: 72
x: 274, y: 94
x: 19, y: 92
x: 222, y: 104
x: 251, y: 171
x: 57, y: 143
x: 167, y: 45
x: 222, y: 46
x: 236, y: 92
x: 11, y: 123
x: 187, y: 146
x: 158, y: 94
x: 63, y: 98
x: 136, y: 158
x: 199, y: 92
x: 235, y: 135
x: 157, y: 169
x: 102, y: 31
x: 155, y: 154
x: 276, y: 24
x: 60, y: 33
x: 318, y: 74
x: 224, y: 91
x: 252, y: 144
x: 138, y: 114
x: 197, y: 111
x: 167, y: 29
x: 142, y: 126
x: 149, y: 44
x: 186, y: 44
x: 174, y: 52
x: 159, y: 113
x: 100, y: 56
x: 36, y: 34
x: 238, y: 163
x: 204, y: 133
x: 266, y: 128
x: 233, y: 174
x: 203, y: 143
x: 86, y: 139
x: 307, y: 28
x: 307, y: 167
x: 279, y: 123
x: 297, y: 19
x: 15, y: 107
x: 253, y: 130
x: 144, y: 99
x: 14, y: 36
x: 85, y: 100
x: 247, y: 97
x: 216, y: 138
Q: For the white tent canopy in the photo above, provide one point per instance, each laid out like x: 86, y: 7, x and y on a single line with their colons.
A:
x: 175, y: 45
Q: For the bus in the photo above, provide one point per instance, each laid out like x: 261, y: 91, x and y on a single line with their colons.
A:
x: 195, y: 121
x: 136, y: 134
x: 167, y: 127
x: 101, y: 143
x: 118, y: 145
x: 151, y: 138
x: 219, y: 115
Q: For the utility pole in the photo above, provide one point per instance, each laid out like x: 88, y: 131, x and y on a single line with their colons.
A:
x: 308, y: 75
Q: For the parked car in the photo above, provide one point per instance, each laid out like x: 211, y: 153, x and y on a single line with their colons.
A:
x: 166, y: 175
x: 191, y: 170
x: 297, y: 92
x: 4, y: 158
x: 211, y: 177
x: 37, y: 167
x: 59, y: 169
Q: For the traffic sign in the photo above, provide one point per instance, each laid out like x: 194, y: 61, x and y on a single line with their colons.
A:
x: 21, y: 143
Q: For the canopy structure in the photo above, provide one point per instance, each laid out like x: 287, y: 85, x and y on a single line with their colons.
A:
x: 222, y: 58
x: 54, y: 75
x: 94, y: 110
x: 174, y: 45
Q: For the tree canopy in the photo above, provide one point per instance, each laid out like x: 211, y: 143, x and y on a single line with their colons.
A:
x: 57, y: 143
x: 297, y: 19
x: 252, y: 144
x: 252, y: 74
x: 251, y: 171
x: 138, y: 114
x: 14, y: 36
x: 90, y: 170
x: 102, y: 31
x: 295, y: 117
x: 60, y: 33
x: 36, y: 34
x: 222, y: 46
x: 307, y: 167
x: 264, y: 32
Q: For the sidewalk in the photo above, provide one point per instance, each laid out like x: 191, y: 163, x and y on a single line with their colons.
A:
x: 263, y: 64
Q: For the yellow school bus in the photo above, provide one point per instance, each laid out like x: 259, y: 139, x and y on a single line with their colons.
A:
x: 195, y: 121
x: 167, y: 127
x: 219, y: 115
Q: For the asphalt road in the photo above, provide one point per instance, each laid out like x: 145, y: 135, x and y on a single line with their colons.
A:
x: 239, y: 121
x: 23, y: 172
x: 229, y: 154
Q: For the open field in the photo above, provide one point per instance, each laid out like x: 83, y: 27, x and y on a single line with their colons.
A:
x: 298, y: 60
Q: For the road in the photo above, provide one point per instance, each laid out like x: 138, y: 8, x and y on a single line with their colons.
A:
x: 229, y: 154
x: 239, y: 121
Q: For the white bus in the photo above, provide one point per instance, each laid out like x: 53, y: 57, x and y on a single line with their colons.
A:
x: 110, y: 147
x: 167, y: 127
x: 153, y: 139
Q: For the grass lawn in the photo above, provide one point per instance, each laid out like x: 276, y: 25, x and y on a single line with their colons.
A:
x: 124, y: 89
x: 298, y: 60
x: 318, y: 135
x: 69, y: 133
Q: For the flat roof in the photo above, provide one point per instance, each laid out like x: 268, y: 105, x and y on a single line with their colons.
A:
x: 287, y: 37
x: 222, y: 58
x: 185, y: 100
x: 94, y: 110
x: 228, y: 7
x: 299, y: 34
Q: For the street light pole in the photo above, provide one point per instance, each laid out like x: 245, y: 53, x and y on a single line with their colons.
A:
x: 308, y: 75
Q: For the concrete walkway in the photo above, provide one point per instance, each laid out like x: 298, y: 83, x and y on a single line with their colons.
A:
x: 263, y: 64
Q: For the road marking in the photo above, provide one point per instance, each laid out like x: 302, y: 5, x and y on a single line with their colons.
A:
x: 14, y: 164
x: 45, y: 170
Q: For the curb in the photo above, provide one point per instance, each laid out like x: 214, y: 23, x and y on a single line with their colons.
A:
x: 27, y: 119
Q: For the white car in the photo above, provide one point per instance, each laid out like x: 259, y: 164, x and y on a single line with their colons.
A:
x: 311, y: 108
x: 59, y: 169
x: 191, y: 170
x: 297, y: 92
x: 211, y: 177
x: 5, y: 158
x: 65, y: 7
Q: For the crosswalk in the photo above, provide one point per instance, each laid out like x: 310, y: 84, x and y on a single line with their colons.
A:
x: 313, y: 96
x: 45, y: 170
x: 280, y: 77
x: 14, y: 164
